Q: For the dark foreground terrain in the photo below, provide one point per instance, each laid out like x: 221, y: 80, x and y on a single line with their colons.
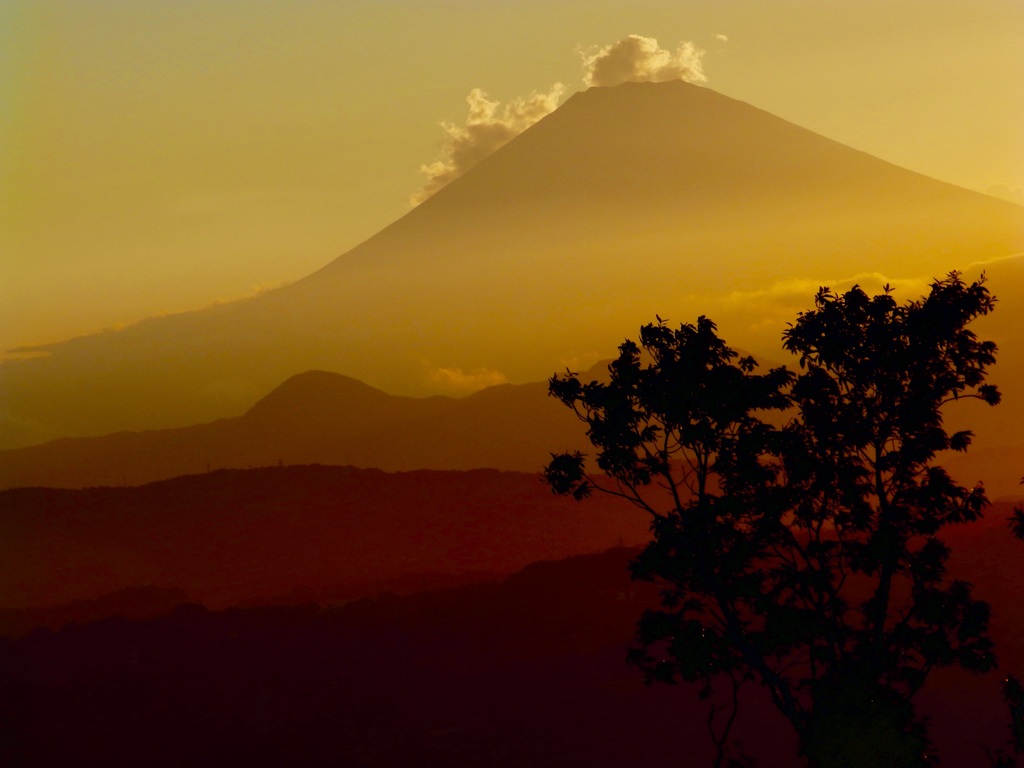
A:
x: 528, y: 671
x: 308, y: 532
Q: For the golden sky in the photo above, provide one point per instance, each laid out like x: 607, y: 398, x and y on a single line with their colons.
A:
x: 158, y: 156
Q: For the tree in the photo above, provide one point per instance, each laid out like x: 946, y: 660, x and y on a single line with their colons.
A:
x: 794, y: 516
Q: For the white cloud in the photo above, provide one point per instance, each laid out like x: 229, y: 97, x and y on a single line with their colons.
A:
x: 802, y: 291
x: 488, y: 127
x: 722, y: 38
x: 467, y: 381
x: 638, y: 59
x: 754, y: 319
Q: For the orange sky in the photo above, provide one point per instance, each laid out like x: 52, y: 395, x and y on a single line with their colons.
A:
x: 157, y: 156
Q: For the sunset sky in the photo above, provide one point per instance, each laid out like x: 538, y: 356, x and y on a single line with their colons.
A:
x: 160, y: 156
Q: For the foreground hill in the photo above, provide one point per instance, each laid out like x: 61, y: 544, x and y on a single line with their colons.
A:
x: 645, y: 198
x: 326, y: 418
x: 234, y: 535
x: 527, y: 672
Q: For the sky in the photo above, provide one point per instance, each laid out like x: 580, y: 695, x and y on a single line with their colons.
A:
x: 161, y: 156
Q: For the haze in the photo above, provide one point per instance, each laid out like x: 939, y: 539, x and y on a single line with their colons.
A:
x: 282, y: 284
x: 160, y: 157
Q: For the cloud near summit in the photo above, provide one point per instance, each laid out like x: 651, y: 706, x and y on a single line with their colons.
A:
x: 488, y: 128
x: 638, y: 59
x: 489, y: 125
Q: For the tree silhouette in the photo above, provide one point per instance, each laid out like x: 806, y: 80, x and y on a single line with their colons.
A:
x: 794, y: 516
x: 1013, y: 697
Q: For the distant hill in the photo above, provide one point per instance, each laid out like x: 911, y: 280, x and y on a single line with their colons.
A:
x: 645, y: 198
x: 319, y: 417
x: 234, y: 535
x: 326, y: 418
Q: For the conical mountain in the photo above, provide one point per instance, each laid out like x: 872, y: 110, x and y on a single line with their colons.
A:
x: 625, y: 202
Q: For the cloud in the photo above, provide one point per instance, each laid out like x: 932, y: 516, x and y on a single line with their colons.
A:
x: 257, y: 289
x: 722, y: 38
x: 754, y: 319
x: 467, y: 381
x: 637, y: 59
x: 1012, y: 192
x: 488, y: 127
x: 800, y: 292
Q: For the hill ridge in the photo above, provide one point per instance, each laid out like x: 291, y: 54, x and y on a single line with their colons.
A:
x: 320, y: 417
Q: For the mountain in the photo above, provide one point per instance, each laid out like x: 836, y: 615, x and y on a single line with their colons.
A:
x: 232, y: 535
x: 644, y: 198
x: 324, y: 418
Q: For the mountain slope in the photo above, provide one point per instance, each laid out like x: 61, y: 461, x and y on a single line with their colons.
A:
x: 627, y: 201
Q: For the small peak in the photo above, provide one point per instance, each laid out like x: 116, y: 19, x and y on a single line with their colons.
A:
x: 313, y: 386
